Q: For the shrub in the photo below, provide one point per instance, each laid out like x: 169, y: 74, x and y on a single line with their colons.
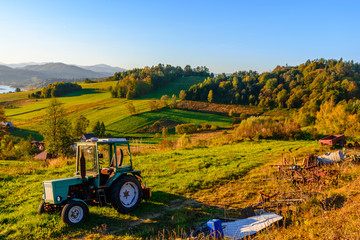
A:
x: 183, y: 141
x: 165, y: 132
x: 265, y: 127
x: 185, y: 128
x: 164, y: 144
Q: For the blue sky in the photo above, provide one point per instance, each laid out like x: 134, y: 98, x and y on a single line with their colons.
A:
x: 225, y: 36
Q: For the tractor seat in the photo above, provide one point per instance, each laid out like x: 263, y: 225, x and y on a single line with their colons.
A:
x: 107, y: 170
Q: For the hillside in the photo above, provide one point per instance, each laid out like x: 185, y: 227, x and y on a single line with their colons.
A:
x: 97, y: 105
x: 307, y: 85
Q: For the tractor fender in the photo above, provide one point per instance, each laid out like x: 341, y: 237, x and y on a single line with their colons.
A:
x: 78, y: 200
x: 116, y: 177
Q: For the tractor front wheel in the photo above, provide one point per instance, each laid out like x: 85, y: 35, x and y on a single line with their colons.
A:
x: 126, y: 194
x: 41, y: 208
x: 74, y: 213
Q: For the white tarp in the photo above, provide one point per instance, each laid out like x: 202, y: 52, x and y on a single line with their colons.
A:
x: 329, y: 158
x: 245, y: 227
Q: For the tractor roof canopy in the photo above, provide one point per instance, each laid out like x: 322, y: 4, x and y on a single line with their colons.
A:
x: 104, y: 141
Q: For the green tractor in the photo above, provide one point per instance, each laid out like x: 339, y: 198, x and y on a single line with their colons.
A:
x: 104, y: 174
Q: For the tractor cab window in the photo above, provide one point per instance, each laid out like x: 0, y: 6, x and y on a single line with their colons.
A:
x: 104, y: 155
x: 123, y: 156
x: 89, y: 154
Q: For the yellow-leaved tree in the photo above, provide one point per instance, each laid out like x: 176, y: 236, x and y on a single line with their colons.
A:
x: 334, y: 119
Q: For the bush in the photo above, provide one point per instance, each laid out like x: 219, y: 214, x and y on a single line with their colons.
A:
x: 164, y: 144
x: 186, y: 128
x: 265, y: 127
x: 165, y: 132
x: 183, y: 141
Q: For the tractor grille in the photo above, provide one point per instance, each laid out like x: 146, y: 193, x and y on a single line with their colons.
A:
x: 49, y: 195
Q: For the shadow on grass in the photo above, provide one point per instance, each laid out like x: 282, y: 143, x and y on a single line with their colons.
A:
x: 162, y: 211
x: 82, y: 92
x: 25, y: 133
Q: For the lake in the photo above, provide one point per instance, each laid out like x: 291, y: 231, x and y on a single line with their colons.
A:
x: 6, y: 89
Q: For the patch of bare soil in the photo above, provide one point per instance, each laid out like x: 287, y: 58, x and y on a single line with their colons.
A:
x: 159, y: 125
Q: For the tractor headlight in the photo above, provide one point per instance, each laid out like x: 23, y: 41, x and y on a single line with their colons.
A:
x: 58, y: 199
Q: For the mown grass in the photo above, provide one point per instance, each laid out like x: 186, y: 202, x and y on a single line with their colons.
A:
x: 130, y: 124
x: 174, y: 176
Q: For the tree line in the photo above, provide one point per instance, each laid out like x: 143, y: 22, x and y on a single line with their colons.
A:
x: 56, y: 89
x: 307, y: 85
x: 138, y: 82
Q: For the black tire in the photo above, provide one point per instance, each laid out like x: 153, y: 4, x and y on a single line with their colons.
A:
x: 127, y: 186
x: 41, y: 208
x: 74, y: 213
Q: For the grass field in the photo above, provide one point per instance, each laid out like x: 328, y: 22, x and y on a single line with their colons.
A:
x: 176, y: 177
x: 174, y: 87
x: 97, y: 105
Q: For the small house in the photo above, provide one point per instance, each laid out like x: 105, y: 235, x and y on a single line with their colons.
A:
x: 39, y: 145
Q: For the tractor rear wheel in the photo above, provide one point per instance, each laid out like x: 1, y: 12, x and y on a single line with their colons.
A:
x: 126, y: 194
x: 74, y: 212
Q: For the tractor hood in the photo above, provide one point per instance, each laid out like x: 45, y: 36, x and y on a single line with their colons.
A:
x: 57, y: 190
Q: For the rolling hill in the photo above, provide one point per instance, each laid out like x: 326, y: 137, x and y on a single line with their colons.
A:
x: 96, y: 104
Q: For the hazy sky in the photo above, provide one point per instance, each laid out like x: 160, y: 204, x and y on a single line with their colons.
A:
x: 225, y: 36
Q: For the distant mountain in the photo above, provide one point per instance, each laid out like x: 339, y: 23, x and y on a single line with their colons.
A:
x: 61, y: 70
x: 29, y: 74
x: 105, y: 69
x: 21, y: 65
x: 19, y: 77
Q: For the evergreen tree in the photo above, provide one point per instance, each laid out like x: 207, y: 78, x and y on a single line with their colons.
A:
x: 97, y: 129
x: 102, y: 130
x: 80, y: 126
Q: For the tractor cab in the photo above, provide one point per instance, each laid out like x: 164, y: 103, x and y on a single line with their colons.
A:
x: 104, y: 174
x: 100, y: 159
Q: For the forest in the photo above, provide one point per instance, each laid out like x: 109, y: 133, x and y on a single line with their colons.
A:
x: 306, y: 87
x: 56, y: 89
x: 138, y: 82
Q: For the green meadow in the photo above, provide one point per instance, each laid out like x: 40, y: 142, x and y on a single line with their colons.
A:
x: 175, y: 177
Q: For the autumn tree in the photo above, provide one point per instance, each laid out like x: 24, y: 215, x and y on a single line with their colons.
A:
x: 182, y: 95
x: 210, y: 96
x: 131, y: 108
x: 3, y: 128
